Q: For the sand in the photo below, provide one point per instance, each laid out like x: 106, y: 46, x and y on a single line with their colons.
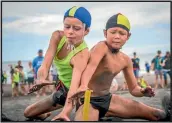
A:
x: 14, y: 107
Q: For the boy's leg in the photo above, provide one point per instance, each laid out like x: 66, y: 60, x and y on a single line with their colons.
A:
x: 127, y: 108
x: 38, y: 109
x: 93, y: 114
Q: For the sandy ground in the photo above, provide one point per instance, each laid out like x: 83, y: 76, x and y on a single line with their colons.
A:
x: 14, y: 107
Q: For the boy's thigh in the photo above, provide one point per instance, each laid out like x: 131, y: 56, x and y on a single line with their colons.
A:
x: 93, y: 114
x: 123, y: 107
x: 42, y: 106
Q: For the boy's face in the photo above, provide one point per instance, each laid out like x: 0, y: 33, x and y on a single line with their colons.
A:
x: 116, y: 37
x: 74, y: 30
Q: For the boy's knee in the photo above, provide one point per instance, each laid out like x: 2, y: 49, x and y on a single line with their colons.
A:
x: 28, y: 112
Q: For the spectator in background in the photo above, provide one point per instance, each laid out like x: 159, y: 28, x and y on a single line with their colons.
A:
x: 19, y: 64
x: 5, y: 77
x: 136, y: 66
x: 11, y: 71
x: 36, y: 65
x: 30, y: 75
x: 15, y: 82
x: 142, y: 82
x: 22, y: 81
x: 54, y: 73
x: 21, y: 77
x: 147, y: 66
x: 2, y: 82
x: 166, y: 66
x: 156, y: 66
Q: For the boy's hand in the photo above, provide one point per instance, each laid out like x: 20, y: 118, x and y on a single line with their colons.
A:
x: 38, y: 86
x: 61, y: 117
x: 148, y: 92
x: 79, y: 93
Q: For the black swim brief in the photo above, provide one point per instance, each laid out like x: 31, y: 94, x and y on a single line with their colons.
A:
x: 59, y: 97
x: 101, y: 103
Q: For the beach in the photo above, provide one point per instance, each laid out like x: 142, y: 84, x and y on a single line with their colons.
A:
x: 13, y: 107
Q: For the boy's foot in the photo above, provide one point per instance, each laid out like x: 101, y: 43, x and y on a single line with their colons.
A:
x: 167, y: 107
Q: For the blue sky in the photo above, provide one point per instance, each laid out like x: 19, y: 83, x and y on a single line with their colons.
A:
x: 27, y: 26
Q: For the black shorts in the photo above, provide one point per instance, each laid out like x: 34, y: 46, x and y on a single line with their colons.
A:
x: 16, y: 84
x: 59, y: 97
x: 101, y: 103
x: 30, y: 80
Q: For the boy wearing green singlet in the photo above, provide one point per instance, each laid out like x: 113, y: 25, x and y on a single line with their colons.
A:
x: 70, y: 54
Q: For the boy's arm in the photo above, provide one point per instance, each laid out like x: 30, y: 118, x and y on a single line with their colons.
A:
x: 133, y: 87
x: 79, y: 63
x: 51, y: 51
x: 96, y: 55
x: 162, y: 63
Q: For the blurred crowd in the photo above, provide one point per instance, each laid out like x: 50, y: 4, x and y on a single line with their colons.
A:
x: 160, y: 64
x: 23, y: 79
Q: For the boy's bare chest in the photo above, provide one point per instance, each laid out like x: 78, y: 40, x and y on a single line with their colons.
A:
x: 114, y: 64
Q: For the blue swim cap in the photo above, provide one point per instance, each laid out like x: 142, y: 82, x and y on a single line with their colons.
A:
x: 80, y: 13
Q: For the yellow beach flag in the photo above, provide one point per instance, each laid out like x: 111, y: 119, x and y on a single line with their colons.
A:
x: 86, y: 105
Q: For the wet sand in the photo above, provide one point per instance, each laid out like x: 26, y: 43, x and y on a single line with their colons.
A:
x: 14, y: 107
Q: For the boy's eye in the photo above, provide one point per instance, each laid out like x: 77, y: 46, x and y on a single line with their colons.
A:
x: 77, y: 28
x: 67, y: 27
x: 122, y: 33
x: 112, y: 32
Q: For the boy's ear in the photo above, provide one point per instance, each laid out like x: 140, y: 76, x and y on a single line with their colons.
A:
x: 105, y: 33
x: 87, y: 31
x: 129, y: 34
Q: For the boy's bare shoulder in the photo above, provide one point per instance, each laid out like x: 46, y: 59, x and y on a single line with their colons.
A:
x: 84, y: 53
x: 101, y: 45
x: 125, y: 57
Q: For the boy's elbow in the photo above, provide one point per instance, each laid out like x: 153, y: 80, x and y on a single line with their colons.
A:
x: 132, y: 90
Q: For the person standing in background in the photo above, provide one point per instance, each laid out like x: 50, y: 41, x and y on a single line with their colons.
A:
x: 136, y: 66
x: 156, y: 66
x: 15, y: 82
x: 22, y: 81
x: 5, y: 77
x: 30, y: 75
x: 147, y: 66
x: 2, y: 82
x: 11, y: 72
x: 54, y: 73
x: 166, y: 66
x: 36, y: 65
